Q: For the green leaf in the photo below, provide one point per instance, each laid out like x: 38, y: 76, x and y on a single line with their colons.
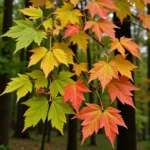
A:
x: 37, y: 111
x: 28, y: 36
x: 47, y: 24
x: 16, y: 31
x: 40, y: 80
x: 60, y: 82
x: 32, y: 12
x: 22, y: 84
x: 57, y: 112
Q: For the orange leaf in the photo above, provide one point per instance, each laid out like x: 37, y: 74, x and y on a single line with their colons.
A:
x: 125, y: 43
x: 94, y: 119
x: 145, y: 19
x: 79, y: 68
x: 36, y: 3
x: 110, y: 119
x: 104, y: 72
x: 71, y: 29
x: 100, y: 7
x: 100, y: 27
x: 74, y: 93
x: 121, y: 88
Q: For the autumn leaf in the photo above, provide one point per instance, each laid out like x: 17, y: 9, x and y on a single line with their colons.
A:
x: 100, y: 7
x: 36, y: 3
x: 39, y: 53
x: 48, y: 63
x: 139, y: 4
x: 71, y: 29
x: 65, y: 47
x: 104, y: 71
x: 67, y: 14
x: 124, y: 9
x: 74, y: 94
x: 94, y: 119
x: 145, y: 19
x: 74, y: 2
x: 49, y: 4
x: 125, y: 43
x: 80, y: 39
x: 110, y: 120
x: 100, y: 27
x: 47, y: 24
x: 32, y: 12
x: 124, y: 66
x: 79, y: 68
x: 121, y: 88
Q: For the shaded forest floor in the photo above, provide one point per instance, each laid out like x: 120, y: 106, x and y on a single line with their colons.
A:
x: 60, y: 142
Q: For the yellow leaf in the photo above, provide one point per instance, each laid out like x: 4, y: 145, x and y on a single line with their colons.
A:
x: 49, y: 62
x: 124, y: 9
x: 39, y: 53
x: 74, y: 2
x: 139, y: 4
x: 80, y: 39
x: 33, y: 13
x: 67, y: 14
x: 47, y: 24
x: 66, y: 49
x: 104, y: 71
x: 60, y: 55
x: 49, y: 4
x: 79, y: 68
x: 124, y: 66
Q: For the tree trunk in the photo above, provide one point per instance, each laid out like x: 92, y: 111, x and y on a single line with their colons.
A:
x: 5, y: 99
x: 72, y: 124
x: 127, y: 137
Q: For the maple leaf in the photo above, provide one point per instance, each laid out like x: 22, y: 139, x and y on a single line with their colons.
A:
x: 71, y: 29
x: 79, y: 68
x: 100, y: 27
x: 145, y: 19
x: 38, y: 108
x: 39, y: 53
x: 32, y: 12
x: 21, y: 84
x: 80, y: 39
x: 59, y: 82
x: 65, y: 47
x: 94, y: 119
x: 124, y: 66
x: 49, y: 62
x: 47, y: 24
x: 124, y: 9
x: 49, y: 4
x: 74, y: 2
x: 100, y: 7
x: 125, y: 43
x: 36, y: 3
x: 74, y: 94
x: 69, y: 11
x: 110, y: 120
x: 104, y: 72
x: 121, y: 88
x: 39, y: 77
x: 57, y: 113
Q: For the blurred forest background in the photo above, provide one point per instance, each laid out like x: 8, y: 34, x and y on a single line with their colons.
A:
x: 137, y: 137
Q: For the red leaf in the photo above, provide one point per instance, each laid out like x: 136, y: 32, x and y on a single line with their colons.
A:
x: 100, y: 27
x: 71, y: 29
x: 94, y: 119
x: 74, y: 93
x: 121, y: 88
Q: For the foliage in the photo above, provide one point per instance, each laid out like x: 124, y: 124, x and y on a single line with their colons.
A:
x: 54, y: 88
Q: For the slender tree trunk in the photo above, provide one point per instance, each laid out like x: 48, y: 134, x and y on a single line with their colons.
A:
x: 127, y: 137
x: 5, y: 99
x: 148, y: 76
x: 72, y: 124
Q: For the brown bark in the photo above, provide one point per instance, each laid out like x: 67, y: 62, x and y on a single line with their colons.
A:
x: 127, y: 137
